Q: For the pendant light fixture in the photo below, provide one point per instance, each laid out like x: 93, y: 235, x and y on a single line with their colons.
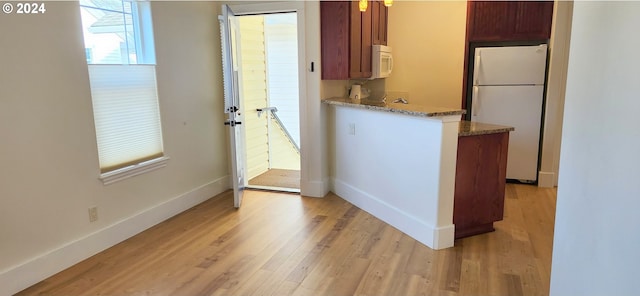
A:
x: 363, y: 5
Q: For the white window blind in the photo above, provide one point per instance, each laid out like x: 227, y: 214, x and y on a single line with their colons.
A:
x: 126, y: 114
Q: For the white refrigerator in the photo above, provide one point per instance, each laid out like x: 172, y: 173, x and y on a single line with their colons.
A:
x: 508, y: 89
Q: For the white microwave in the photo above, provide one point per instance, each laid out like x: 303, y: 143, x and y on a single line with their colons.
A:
x: 381, y: 61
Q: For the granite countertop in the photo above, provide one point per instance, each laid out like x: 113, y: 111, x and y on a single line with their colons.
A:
x: 469, y: 128
x: 408, y: 109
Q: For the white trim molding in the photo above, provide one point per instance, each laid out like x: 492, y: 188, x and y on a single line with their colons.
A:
x: 546, y: 179
x: 133, y: 170
x: 315, y: 188
x: 22, y: 276
x: 430, y: 235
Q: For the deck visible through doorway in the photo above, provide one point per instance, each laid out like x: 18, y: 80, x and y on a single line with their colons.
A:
x: 278, y: 178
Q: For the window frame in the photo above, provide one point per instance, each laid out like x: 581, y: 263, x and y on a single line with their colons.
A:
x: 144, y: 47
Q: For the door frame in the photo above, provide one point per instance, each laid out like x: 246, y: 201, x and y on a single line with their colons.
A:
x: 313, y: 158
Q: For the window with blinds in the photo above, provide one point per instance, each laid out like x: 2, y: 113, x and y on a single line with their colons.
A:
x: 119, y: 48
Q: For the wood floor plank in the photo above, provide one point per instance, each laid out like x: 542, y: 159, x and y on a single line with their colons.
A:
x: 341, y: 274
x: 287, y: 257
x: 284, y: 244
x: 304, y: 267
x: 453, y: 272
x: 349, y: 276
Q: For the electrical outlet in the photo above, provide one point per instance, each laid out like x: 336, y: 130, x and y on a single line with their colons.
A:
x: 93, y: 214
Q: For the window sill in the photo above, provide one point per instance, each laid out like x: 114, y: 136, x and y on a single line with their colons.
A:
x: 134, y: 170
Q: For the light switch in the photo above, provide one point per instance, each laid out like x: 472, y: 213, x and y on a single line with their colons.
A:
x: 352, y: 128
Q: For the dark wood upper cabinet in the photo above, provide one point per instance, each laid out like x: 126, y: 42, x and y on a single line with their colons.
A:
x: 509, y: 20
x: 380, y: 13
x: 335, y: 37
x: 533, y: 20
x: 347, y: 36
x: 488, y: 20
x: 361, y: 40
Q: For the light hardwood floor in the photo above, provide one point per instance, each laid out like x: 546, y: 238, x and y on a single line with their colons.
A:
x: 283, y: 244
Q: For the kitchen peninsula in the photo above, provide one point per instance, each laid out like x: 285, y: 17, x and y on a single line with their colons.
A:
x: 398, y: 162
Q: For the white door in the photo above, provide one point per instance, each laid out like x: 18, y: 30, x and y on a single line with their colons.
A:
x: 519, y: 107
x: 510, y: 65
x: 229, y: 32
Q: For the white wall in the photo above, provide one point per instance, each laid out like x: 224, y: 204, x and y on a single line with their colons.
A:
x: 49, y: 175
x: 596, y: 240
x: 313, y: 122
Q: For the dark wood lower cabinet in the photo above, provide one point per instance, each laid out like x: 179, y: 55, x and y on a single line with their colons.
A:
x: 480, y: 183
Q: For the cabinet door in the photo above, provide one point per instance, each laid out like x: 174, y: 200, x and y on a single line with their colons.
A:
x: 489, y: 20
x: 480, y: 183
x: 509, y: 20
x: 532, y: 20
x: 361, y: 41
x: 379, y: 14
x: 334, y: 31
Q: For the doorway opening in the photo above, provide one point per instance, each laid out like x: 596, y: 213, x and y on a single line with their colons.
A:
x: 270, y: 96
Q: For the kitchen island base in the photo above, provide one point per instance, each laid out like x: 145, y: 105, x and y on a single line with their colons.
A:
x: 397, y: 162
x: 481, y: 168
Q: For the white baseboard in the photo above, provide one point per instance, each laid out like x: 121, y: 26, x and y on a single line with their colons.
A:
x: 22, y: 276
x: 314, y: 188
x: 433, y: 237
x: 546, y: 179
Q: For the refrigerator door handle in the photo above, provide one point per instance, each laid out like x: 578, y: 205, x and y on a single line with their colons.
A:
x: 476, y: 67
x: 476, y: 101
